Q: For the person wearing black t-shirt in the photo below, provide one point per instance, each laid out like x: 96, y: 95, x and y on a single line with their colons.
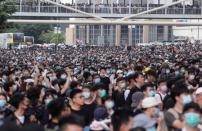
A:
x: 57, y: 109
x: 104, y: 79
x: 77, y: 104
x: 89, y: 103
x: 136, y: 82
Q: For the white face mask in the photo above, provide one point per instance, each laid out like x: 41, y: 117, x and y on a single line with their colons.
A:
x: 109, y: 104
x: 63, y: 76
x: 13, y: 77
x: 123, y: 85
x: 47, y: 101
x: 15, y: 88
x: 191, y: 77
x: 86, y: 94
x: 52, y: 78
x: 4, y: 77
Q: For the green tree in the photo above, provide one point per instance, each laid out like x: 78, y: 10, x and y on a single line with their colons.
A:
x: 30, y: 30
x: 7, y: 8
x: 51, y: 37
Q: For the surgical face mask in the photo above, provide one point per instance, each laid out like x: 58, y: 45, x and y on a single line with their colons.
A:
x: 151, y: 94
x: 177, y: 73
x: 157, y: 112
x: 182, y: 70
x: 45, y: 84
x: 97, y: 80
x: 151, y: 129
x: 109, y: 104
x: 47, y: 101
x: 120, y: 75
x: 92, y: 72
x: 191, y: 77
x: 164, y: 89
x: 186, y: 99
x: 52, y: 78
x: 14, y: 88
x: 42, y: 93
x: 192, y: 119
x: 102, y: 93
x: 4, y: 77
x: 123, y: 85
x: 86, y: 94
x: 167, y: 71
x: 13, y: 77
x: 63, y: 76
x: 196, y: 66
x: 108, y: 72
x: 2, y: 103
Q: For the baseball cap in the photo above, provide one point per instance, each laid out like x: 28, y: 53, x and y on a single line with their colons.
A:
x: 149, y: 102
x: 199, y: 91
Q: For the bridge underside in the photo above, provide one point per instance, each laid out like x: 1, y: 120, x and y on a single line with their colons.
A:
x: 114, y: 16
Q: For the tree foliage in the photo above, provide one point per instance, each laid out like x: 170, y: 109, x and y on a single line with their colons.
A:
x: 51, y: 37
x: 30, y: 30
x: 7, y: 8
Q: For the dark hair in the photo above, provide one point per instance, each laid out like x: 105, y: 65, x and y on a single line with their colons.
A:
x: 120, y: 79
x: 16, y: 99
x: 86, y: 75
x: 191, y: 105
x: 134, y: 76
x: 73, y: 84
x: 56, y: 106
x: 71, y: 119
x: 152, y: 73
x: 120, y: 116
x: 7, y: 85
x: 161, y: 80
x: 178, y: 89
x: 146, y: 85
x: 75, y: 92
x: 33, y: 95
x: 103, y: 68
x: 55, y: 82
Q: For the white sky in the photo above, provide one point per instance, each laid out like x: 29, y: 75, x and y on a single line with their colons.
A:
x: 66, y: 1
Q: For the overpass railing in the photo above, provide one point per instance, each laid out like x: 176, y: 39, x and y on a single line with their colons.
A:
x: 108, y: 10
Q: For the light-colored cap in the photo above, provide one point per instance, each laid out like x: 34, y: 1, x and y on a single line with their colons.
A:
x: 149, y: 102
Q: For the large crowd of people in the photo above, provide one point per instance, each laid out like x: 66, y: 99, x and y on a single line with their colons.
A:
x: 143, y: 88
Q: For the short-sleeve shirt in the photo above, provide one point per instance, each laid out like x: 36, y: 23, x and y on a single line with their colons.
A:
x: 169, y: 119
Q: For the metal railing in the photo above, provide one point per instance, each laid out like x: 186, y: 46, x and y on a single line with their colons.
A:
x: 107, y: 10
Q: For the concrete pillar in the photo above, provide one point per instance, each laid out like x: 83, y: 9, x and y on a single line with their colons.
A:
x: 111, y: 35
x: 165, y: 33
x: 101, y: 37
x: 153, y: 33
x: 21, y: 5
x: 70, y: 35
x: 39, y: 6
x: 118, y: 35
x: 82, y: 33
x: 102, y: 30
x: 88, y: 34
x: 130, y: 40
x: 145, y: 34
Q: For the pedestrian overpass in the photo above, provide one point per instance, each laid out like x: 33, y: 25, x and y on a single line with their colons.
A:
x: 61, y: 11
